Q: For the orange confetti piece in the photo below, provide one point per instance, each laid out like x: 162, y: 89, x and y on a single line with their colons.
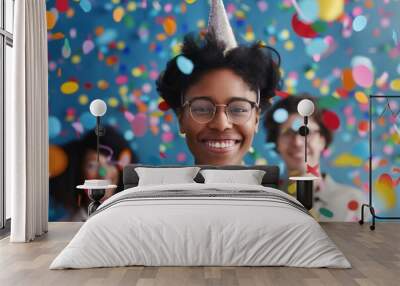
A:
x: 111, y: 60
x: 381, y: 121
x: 183, y: 8
x: 51, y: 20
x: 56, y: 36
x: 99, y: 30
x: 142, y: 107
x: 347, y: 80
x: 154, y: 129
x: 169, y: 26
x: 161, y: 37
x: 168, y: 117
x: 118, y: 14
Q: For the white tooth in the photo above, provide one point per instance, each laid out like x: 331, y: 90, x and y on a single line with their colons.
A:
x: 218, y: 145
x: 223, y: 145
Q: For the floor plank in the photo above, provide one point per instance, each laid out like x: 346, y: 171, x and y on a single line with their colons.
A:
x: 374, y: 255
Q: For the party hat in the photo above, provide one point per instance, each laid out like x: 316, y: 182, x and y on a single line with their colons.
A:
x: 218, y: 23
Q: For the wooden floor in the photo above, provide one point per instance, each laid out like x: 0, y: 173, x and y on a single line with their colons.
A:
x: 374, y: 255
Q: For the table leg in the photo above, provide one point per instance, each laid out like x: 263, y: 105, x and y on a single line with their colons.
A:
x: 95, y: 195
x: 304, y: 193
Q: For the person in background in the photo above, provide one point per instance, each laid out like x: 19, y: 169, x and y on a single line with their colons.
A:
x: 333, y: 201
x: 218, y: 104
x: 70, y: 204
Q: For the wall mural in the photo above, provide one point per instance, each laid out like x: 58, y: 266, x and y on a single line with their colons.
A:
x: 337, y: 51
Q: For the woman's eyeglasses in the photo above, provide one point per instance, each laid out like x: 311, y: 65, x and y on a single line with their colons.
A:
x: 203, y: 109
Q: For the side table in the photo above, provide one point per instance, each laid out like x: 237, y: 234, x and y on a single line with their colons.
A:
x: 304, y: 190
x: 96, y: 191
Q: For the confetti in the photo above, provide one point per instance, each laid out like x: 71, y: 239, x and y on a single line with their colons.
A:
x: 363, y: 76
x: 359, y: 23
x: 330, y: 120
x: 347, y: 160
x: 185, y: 65
x: 54, y: 127
x: 62, y: 5
x: 85, y: 5
x: 280, y: 115
x: 330, y: 10
x: 51, y: 20
x: 58, y: 161
x: 69, y: 87
x: 385, y: 190
x: 302, y: 29
x: 309, y: 11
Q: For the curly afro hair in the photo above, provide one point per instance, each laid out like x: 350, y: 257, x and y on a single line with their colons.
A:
x: 257, y: 65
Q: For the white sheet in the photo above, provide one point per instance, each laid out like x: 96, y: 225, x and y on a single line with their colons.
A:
x: 200, y: 231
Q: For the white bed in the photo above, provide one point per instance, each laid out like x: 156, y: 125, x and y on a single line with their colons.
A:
x: 201, y: 224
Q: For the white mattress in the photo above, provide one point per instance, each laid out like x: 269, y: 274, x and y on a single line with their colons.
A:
x: 183, y: 231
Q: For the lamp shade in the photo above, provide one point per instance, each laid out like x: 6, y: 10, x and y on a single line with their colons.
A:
x: 305, y: 107
x: 98, y: 107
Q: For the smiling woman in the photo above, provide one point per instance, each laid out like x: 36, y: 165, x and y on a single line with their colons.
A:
x: 219, y: 101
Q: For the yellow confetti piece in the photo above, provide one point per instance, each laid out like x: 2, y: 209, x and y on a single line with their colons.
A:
x: 395, y: 84
x: 385, y: 190
x: 395, y: 137
x: 284, y: 35
x: 51, y: 20
x: 176, y: 49
x: 116, y: 1
x: 240, y: 14
x: 131, y: 6
x: 347, y: 160
x: 102, y: 84
x: 292, y: 188
x: 75, y: 59
x: 190, y: 1
x: 324, y: 90
x: 118, y: 14
x: 123, y: 90
x: 121, y: 45
x: 157, y: 114
x: 310, y: 74
x: 136, y: 72
x: 330, y: 10
x: 201, y: 24
x: 83, y: 99
x: 249, y: 36
x: 69, y: 87
x: 361, y: 97
x: 261, y: 161
x: 169, y: 26
x: 113, y: 102
x: 289, y: 45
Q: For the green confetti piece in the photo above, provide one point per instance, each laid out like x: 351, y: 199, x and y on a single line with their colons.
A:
x: 319, y: 26
x: 102, y: 171
x: 328, y: 102
x: 326, y: 213
x: 129, y: 22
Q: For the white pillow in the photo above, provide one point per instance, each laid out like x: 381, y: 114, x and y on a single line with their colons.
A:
x: 163, y: 176
x: 249, y: 177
